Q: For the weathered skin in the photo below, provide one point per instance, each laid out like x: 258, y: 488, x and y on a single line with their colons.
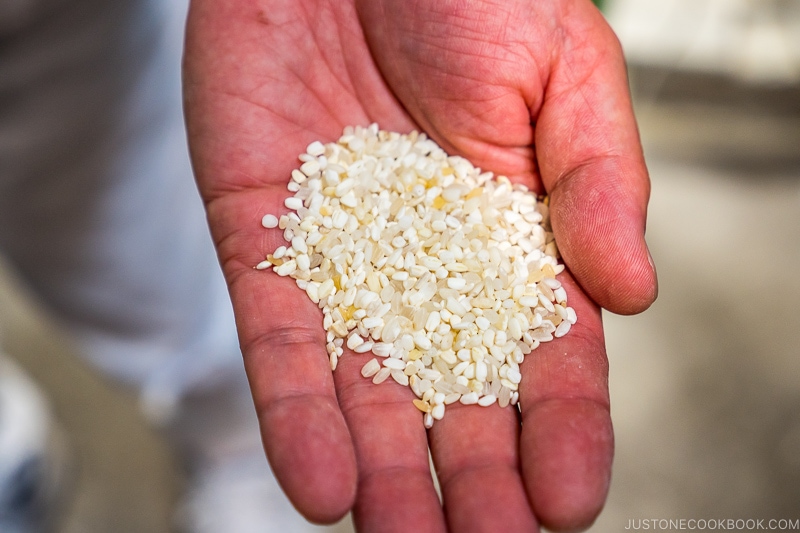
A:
x: 533, y: 90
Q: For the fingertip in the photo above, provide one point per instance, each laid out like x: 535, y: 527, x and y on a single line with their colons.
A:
x: 311, y: 453
x: 598, y: 215
x: 570, y: 516
x: 621, y: 279
x: 569, y: 469
x: 642, y: 287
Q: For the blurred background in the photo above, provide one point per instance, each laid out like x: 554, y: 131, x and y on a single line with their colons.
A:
x: 705, y: 385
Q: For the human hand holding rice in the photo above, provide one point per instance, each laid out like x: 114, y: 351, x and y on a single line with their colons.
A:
x: 261, y: 86
x: 445, y: 274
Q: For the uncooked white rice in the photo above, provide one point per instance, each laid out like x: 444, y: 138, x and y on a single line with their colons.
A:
x: 443, y: 272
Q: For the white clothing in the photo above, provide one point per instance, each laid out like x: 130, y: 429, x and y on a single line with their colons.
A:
x: 98, y: 209
x: 100, y: 216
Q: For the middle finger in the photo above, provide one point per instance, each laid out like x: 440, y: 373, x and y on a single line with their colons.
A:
x: 477, y: 461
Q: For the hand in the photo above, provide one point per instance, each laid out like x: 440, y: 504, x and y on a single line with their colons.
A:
x: 533, y: 90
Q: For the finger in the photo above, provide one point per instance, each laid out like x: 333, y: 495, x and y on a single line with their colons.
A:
x: 567, y: 439
x: 395, y: 488
x: 283, y: 343
x: 590, y: 159
x: 304, y: 433
x: 475, y: 450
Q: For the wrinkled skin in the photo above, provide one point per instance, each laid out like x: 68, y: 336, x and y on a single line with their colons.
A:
x: 533, y: 90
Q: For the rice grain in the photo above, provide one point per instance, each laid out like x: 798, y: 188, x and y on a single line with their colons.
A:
x: 445, y: 273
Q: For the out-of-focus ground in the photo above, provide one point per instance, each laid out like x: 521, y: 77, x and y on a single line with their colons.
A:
x: 705, y: 385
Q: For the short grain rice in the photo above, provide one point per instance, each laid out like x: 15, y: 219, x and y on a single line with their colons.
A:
x: 446, y: 273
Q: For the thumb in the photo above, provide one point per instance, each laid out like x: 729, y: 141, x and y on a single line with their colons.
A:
x: 599, y: 224
x: 591, y: 163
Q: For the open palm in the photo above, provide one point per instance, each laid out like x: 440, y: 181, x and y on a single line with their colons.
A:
x: 533, y: 90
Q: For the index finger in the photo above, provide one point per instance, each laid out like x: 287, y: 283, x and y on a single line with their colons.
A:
x: 566, y: 442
